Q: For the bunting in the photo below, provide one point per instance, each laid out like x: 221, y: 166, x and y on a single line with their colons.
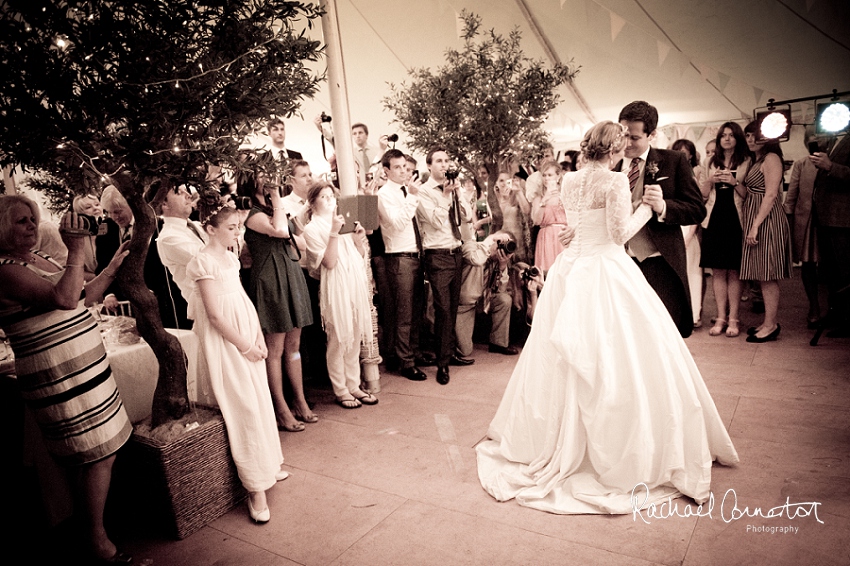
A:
x: 758, y: 93
x: 723, y: 80
x: 617, y: 24
x: 663, y: 51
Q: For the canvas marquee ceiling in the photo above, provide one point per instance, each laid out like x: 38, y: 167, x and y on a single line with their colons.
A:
x: 700, y: 62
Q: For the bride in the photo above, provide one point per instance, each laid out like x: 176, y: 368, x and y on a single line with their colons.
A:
x: 605, y: 398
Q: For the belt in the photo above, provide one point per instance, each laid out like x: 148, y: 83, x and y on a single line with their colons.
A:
x: 448, y: 251
x: 403, y: 254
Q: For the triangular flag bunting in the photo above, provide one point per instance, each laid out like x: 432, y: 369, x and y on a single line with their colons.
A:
x: 758, y: 92
x: 698, y: 130
x: 663, y: 50
x: 617, y: 24
x: 723, y: 80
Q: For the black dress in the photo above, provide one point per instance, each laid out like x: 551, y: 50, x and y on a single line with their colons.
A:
x: 722, y: 240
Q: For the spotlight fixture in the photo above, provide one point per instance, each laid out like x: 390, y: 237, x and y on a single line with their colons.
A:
x: 832, y: 117
x: 774, y: 123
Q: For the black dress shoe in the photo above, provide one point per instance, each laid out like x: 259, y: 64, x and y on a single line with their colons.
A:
x: 460, y: 361
x: 413, y: 373
x: 443, y: 375
x: 752, y: 330
x: 769, y: 338
x: 426, y: 360
x: 504, y: 350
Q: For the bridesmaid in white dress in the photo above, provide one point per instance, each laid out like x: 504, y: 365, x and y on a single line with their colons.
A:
x: 229, y: 331
x: 605, y: 397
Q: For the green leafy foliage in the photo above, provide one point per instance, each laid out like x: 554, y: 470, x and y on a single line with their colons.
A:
x: 485, y: 105
x: 157, y: 89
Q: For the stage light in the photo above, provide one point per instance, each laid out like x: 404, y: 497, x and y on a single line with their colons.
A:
x: 774, y: 124
x: 832, y: 117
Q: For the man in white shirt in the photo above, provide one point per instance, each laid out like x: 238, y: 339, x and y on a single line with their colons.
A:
x: 179, y: 239
x: 397, y: 206
x: 440, y: 217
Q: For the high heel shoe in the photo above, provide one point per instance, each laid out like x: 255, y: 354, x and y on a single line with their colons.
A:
x: 732, y: 330
x: 258, y: 516
x: 718, y: 328
x: 769, y: 338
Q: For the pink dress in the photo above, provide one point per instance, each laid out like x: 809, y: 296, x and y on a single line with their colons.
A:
x: 548, y: 247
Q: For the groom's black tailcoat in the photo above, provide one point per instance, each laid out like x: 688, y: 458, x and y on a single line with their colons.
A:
x: 685, y: 207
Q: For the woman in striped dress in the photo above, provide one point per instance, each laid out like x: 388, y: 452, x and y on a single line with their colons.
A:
x: 60, y: 362
x: 767, y: 237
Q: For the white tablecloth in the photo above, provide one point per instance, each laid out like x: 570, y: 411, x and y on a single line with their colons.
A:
x: 136, y: 372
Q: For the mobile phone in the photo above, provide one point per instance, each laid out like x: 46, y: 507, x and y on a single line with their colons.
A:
x: 415, y: 173
x: 813, y: 147
x: 369, y: 176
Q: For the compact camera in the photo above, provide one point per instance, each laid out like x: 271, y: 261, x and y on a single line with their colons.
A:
x: 530, y: 273
x: 508, y: 247
x: 452, y: 173
x: 326, y: 118
x: 392, y: 138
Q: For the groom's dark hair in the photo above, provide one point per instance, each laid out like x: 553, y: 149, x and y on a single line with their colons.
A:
x: 640, y: 111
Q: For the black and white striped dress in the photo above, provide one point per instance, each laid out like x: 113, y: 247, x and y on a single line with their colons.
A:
x: 770, y: 259
x: 65, y: 379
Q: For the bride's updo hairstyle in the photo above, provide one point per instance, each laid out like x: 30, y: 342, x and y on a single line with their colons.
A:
x: 602, y: 140
x: 214, y: 208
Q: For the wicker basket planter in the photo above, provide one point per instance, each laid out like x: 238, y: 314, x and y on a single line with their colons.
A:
x: 189, y: 481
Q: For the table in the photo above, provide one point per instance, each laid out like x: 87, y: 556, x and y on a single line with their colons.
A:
x: 136, y: 371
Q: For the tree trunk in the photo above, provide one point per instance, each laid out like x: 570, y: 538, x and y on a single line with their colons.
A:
x: 496, y: 217
x: 171, y: 397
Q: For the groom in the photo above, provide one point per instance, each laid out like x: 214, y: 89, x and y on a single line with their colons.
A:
x: 665, y: 180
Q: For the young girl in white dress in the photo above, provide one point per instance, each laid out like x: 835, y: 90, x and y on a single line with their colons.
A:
x: 229, y: 332
x: 344, y: 293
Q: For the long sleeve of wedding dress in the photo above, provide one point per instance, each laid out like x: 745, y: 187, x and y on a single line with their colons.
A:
x: 622, y: 222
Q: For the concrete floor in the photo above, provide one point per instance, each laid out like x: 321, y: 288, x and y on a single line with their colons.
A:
x: 396, y: 483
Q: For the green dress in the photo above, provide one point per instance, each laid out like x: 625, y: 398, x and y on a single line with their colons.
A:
x: 276, y: 285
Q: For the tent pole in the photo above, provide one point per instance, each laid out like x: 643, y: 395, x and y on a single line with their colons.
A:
x: 338, y: 89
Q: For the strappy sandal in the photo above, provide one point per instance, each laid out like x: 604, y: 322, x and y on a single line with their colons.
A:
x: 312, y: 418
x: 732, y: 330
x: 368, y: 399
x: 349, y: 403
x: 718, y: 328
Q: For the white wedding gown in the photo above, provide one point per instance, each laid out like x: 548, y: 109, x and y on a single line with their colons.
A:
x: 605, y: 396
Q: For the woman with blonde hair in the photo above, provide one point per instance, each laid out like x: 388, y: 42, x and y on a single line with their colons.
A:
x: 605, y: 395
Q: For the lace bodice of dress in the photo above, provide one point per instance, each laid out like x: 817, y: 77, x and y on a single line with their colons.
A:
x: 598, y: 206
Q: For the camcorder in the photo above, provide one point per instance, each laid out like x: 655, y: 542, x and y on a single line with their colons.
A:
x: 508, y: 247
x: 326, y: 118
x: 93, y: 224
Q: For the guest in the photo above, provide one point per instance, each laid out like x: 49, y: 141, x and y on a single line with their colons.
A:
x: 515, y: 214
x: 337, y: 261
x: 798, y: 205
x: 60, y: 362
x: 832, y: 211
x: 722, y: 240
x: 570, y: 161
x: 548, y: 212
x: 277, y: 132
x: 119, y: 229
x: 398, y: 200
x: 278, y: 290
x: 228, y: 329
x: 178, y: 240
x: 767, y: 252
x: 693, y: 236
x: 90, y: 206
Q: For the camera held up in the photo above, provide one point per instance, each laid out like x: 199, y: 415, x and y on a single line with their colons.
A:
x: 326, y: 118
x: 507, y: 247
x: 392, y: 138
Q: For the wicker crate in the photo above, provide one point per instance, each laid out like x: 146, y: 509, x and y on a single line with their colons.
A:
x: 190, y: 481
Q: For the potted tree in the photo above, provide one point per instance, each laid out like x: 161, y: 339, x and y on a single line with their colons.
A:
x: 487, y: 103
